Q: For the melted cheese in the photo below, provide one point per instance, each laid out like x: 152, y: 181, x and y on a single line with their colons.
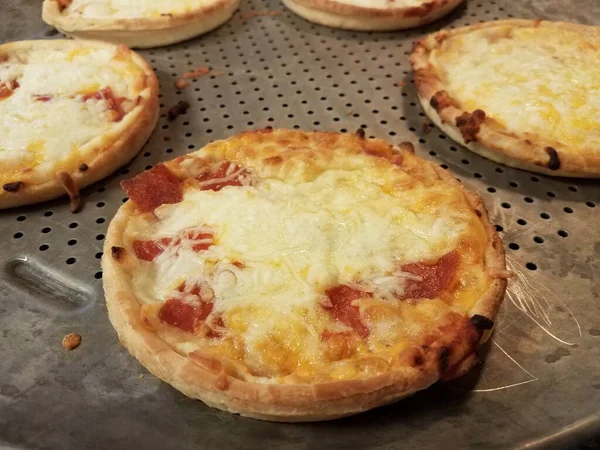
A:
x: 538, y: 80
x: 41, y: 133
x: 295, y: 239
x: 133, y: 8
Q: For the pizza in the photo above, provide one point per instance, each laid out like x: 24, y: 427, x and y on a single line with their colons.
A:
x: 524, y: 93
x: 295, y: 276
x: 70, y: 114
x: 140, y: 23
x: 371, y: 15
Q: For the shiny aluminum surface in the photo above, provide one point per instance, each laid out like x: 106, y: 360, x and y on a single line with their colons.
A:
x: 540, y: 384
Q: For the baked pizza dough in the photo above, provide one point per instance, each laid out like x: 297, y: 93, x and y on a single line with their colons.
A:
x: 520, y: 92
x: 294, y: 276
x: 70, y: 114
x: 140, y: 23
x: 371, y: 15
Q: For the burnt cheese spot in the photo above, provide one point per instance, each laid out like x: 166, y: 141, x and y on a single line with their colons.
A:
x: 117, y: 252
x: 469, y: 124
x: 441, y: 100
x: 83, y: 167
x: 482, y: 322
x: 13, y: 187
x: 554, y: 162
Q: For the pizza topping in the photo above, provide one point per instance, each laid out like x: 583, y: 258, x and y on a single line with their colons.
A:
x: 13, y: 187
x: 113, y: 104
x: 8, y: 88
x: 71, y: 341
x: 226, y: 173
x: 183, y: 315
x: 69, y: 185
x: 469, y: 124
x: 177, y: 110
x: 198, y: 239
x: 435, y: 278
x: 63, y: 4
x: 149, y: 250
x: 194, y: 307
x: 342, y: 299
x: 83, y: 167
x: 153, y: 188
x: 43, y: 97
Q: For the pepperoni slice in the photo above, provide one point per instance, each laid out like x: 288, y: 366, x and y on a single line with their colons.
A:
x: 112, y: 103
x: 43, y: 97
x: 155, y: 187
x: 205, y: 240
x: 183, y: 315
x: 224, y: 174
x: 435, y: 277
x: 150, y: 250
x: 7, y: 88
x: 341, y: 298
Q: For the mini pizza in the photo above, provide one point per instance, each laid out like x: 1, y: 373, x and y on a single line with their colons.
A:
x: 70, y: 114
x: 296, y: 276
x: 141, y: 23
x: 371, y: 15
x: 519, y: 92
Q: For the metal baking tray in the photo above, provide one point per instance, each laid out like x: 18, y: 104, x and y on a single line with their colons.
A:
x: 540, y: 384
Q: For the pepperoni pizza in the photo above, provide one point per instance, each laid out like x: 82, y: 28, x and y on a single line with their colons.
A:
x: 297, y: 276
x: 70, y: 114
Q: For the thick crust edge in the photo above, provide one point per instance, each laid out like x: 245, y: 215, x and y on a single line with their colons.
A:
x: 142, y: 32
x: 522, y: 151
x: 275, y: 402
x: 336, y: 14
x: 125, y: 141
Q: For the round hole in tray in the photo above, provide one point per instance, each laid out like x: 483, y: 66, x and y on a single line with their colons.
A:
x: 531, y: 266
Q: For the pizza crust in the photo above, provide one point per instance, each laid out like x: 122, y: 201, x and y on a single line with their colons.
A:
x: 526, y: 151
x: 142, y: 32
x: 104, y: 154
x: 204, y: 378
x: 338, y: 14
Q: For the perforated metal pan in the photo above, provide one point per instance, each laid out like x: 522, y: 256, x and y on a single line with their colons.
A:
x: 540, y: 384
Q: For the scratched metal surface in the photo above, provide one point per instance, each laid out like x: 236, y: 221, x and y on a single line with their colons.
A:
x: 540, y: 384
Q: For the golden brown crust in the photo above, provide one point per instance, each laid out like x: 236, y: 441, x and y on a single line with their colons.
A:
x: 489, y: 138
x: 445, y: 352
x: 339, y: 14
x: 141, y: 32
x: 103, y: 155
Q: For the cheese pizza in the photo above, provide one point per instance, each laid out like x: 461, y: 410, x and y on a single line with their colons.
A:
x: 140, y: 23
x: 70, y: 114
x: 296, y: 276
x: 520, y: 92
x: 372, y: 15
